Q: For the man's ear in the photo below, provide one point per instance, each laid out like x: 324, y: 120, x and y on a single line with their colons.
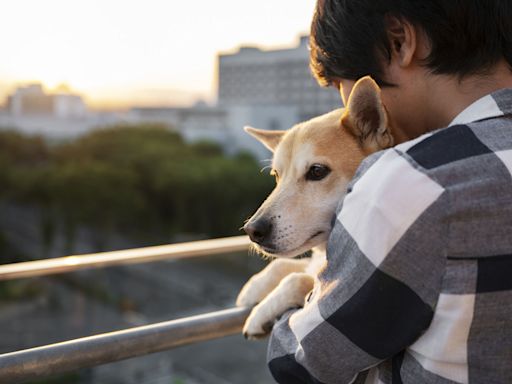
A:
x: 402, y: 38
x: 365, y: 116
x: 269, y: 139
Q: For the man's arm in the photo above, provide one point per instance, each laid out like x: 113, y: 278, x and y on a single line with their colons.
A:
x: 381, y: 283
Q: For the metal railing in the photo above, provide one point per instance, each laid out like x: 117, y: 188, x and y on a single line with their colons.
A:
x: 123, y: 257
x: 20, y: 366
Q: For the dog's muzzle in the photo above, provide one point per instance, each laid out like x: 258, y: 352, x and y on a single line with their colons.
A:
x: 259, y: 230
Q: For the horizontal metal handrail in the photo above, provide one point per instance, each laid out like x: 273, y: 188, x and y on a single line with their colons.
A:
x: 129, y: 256
x: 21, y: 366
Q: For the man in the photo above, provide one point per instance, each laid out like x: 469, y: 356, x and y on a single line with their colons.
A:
x: 418, y: 284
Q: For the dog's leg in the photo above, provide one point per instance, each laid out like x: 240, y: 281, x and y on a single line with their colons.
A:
x: 291, y: 292
x: 261, y: 284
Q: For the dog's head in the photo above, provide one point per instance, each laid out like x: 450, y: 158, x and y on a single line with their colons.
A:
x: 312, y: 164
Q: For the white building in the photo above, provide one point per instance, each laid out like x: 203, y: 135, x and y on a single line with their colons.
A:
x: 222, y: 125
x: 29, y: 99
x: 56, y: 116
x: 200, y: 122
x: 55, y: 128
x: 67, y: 106
x: 32, y: 100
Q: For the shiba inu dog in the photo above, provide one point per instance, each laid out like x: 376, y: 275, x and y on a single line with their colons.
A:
x: 312, y: 163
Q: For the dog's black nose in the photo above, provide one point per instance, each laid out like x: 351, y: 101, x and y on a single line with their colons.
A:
x: 258, y: 230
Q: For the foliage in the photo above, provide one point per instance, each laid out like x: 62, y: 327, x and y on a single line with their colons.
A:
x: 140, y: 181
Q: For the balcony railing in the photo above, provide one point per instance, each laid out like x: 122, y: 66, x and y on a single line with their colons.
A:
x: 21, y: 366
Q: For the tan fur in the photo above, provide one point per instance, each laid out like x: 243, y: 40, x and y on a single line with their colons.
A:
x: 301, y: 210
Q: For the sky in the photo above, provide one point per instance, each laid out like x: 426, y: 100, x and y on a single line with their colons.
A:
x: 137, y: 52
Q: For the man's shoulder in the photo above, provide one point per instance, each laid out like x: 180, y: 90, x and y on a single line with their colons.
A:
x: 464, y: 153
x: 473, y: 164
x: 455, y: 158
x: 454, y: 144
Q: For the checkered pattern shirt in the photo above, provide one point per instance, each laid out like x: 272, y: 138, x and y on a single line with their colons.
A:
x: 418, y: 282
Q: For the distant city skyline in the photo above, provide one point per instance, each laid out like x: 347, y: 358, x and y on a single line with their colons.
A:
x: 268, y: 89
x: 119, y: 54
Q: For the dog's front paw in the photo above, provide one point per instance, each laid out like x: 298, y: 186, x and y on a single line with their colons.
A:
x: 251, y: 294
x: 257, y: 326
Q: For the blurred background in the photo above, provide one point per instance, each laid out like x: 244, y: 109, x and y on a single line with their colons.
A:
x: 121, y: 127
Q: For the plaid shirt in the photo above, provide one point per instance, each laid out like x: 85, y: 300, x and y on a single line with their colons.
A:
x: 418, y: 282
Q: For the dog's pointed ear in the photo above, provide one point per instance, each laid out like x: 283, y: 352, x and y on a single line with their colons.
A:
x: 269, y: 139
x: 366, y: 117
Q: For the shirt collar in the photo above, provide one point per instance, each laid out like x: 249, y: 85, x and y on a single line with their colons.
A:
x: 496, y: 104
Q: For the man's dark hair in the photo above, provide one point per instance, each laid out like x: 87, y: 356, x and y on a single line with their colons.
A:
x: 349, y: 38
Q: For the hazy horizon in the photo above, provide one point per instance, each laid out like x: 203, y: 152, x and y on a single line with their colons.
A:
x: 118, y: 54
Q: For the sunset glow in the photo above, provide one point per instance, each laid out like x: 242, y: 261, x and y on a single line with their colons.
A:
x: 118, y: 53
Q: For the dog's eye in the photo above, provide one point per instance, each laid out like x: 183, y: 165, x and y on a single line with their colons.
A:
x: 317, y: 172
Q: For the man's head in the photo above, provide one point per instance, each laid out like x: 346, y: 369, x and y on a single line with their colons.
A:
x: 410, y: 47
x: 354, y: 38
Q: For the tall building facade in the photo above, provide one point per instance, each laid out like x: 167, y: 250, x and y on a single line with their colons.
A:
x: 256, y: 77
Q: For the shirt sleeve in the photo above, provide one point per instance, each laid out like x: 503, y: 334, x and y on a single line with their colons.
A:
x: 378, y: 291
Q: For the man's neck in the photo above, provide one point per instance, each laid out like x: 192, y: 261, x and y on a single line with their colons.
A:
x: 455, y: 95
